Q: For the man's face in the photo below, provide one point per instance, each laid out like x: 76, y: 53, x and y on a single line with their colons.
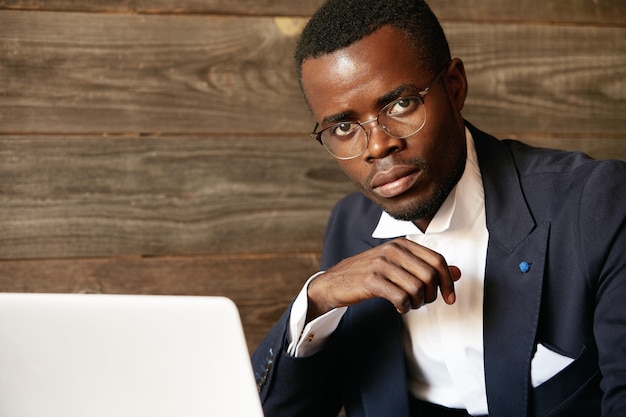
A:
x: 411, y: 177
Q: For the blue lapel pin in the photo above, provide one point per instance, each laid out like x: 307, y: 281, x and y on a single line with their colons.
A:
x: 524, y: 267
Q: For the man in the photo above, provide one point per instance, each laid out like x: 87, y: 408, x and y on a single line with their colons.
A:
x: 526, y: 247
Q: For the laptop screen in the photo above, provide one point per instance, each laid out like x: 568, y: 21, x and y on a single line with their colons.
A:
x: 78, y: 355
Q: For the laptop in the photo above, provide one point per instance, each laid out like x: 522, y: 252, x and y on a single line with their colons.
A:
x: 92, y: 355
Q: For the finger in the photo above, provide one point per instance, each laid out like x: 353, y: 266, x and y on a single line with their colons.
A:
x: 447, y: 287
x: 414, y: 292
x: 410, y: 273
x: 395, y: 284
x: 431, y: 268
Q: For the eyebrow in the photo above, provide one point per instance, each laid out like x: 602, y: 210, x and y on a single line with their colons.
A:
x: 381, y: 102
x: 336, y: 118
x: 395, y: 94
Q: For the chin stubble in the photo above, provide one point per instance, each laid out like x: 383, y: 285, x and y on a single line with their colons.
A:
x: 428, y: 208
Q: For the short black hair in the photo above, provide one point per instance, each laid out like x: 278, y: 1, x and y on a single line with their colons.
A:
x: 339, y: 23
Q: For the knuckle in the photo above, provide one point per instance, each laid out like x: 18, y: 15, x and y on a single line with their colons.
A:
x: 429, y: 277
x: 379, y: 262
x: 375, y: 283
x: 371, y: 279
x: 415, y: 287
x: 400, y: 299
x: 390, y: 247
x: 439, y: 261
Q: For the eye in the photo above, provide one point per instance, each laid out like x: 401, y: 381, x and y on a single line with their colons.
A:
x: 406, y: 105
x: 343, y: 130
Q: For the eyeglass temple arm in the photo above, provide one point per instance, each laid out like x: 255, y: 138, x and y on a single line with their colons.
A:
x: 315, y: 135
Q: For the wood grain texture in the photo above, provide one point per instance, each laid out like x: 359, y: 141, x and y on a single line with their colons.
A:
x: 544, y: 80
x: 94, y: 196
x: 97, y: 197
x: 238, y: 7
x: 261, y: 286
x: 557, y: 11
x: 75, y: 73
x: 603, y: 12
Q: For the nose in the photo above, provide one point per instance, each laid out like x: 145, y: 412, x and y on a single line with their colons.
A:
x: 381, y: 144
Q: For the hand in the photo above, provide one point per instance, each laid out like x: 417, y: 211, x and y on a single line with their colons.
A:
x: 401, y: 271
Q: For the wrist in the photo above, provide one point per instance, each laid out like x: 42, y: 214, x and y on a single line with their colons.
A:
x: 317, y: 305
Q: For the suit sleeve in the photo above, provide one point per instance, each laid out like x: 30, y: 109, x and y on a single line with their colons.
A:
x: 312, y: 386
x: 603, y: 221
x: 291, y: 386
x: 305, y: 386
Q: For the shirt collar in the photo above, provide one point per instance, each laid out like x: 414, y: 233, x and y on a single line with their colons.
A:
x: 470, y: 184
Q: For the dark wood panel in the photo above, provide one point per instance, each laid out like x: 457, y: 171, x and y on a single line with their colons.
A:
x: 599, y: 148
x: 85, y: 197
x: 77, y: 73
x: 91, y: 196
x: 598, y: 12
x: 544, y: 81
x: 605, y: 12
x: 261, y: 286
x: 239, y: 7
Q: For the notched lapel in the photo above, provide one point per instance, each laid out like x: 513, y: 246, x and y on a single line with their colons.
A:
x: 516, y: 256
x: 513, y: 285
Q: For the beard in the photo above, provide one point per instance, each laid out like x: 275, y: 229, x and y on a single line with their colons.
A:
x: 413, y: 210
x: 425, y: 209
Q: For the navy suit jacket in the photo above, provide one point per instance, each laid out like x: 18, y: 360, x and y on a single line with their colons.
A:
x: 564, y: 214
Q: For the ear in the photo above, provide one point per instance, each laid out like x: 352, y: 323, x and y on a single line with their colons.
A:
x: 456, y: 83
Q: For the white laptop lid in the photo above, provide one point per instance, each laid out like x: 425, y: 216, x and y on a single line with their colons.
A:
x: 88, y: 355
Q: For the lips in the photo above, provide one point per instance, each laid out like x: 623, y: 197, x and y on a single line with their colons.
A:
x: 394, y: 181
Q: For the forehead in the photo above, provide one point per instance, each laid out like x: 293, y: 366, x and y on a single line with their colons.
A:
x: 352, y: 79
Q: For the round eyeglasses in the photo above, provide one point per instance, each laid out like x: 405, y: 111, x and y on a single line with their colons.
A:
x: 400, y: 119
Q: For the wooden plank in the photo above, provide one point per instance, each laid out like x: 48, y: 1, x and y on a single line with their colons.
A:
x: 557, y: 11
x: 544, y: 81
x: 94, y: 196
x: 605, y: 12
x: 261, y: 286
x: 239, y: 7
x: 599, y: 148
x: 74, y: 73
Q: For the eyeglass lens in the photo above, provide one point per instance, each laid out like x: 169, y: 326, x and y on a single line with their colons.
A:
x: 400, y: 118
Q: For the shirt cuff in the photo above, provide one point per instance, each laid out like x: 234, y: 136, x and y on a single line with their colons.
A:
x: 307, y: 340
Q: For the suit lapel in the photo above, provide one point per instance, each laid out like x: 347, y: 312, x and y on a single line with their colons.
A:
x: 511, y: 312
x: 513, y: 281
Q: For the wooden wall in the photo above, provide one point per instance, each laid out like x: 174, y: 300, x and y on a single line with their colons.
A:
x: 160, y: 147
